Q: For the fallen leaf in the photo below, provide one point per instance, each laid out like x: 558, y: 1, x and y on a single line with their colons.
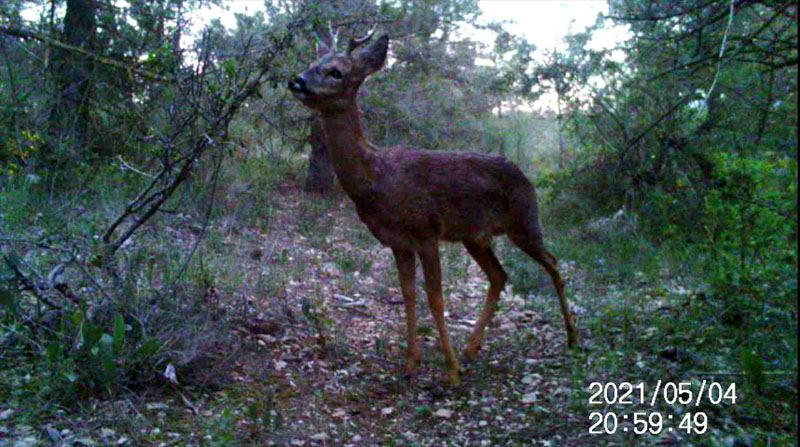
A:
x: 169, y: 373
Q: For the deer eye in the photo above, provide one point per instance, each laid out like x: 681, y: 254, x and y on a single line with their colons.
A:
x: 335, y: 74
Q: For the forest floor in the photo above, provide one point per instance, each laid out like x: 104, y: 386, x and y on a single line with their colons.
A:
x: 331, y: 358
x: 323, y: 335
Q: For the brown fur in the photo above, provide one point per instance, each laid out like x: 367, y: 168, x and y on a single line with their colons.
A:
x: 411, y: 199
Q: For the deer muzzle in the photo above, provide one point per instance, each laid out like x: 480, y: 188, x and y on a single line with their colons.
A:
x: 298, y: 86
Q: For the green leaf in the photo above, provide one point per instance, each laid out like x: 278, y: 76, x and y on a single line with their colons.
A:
x: 425, y: 330
x: 753, y: 366
x: 7, y: 299
x: 119, y: 332
x: 91, y: 334
x: 107, y: 358
x: 423, y: 411
x: 147, y: 350
x: 54, y: 352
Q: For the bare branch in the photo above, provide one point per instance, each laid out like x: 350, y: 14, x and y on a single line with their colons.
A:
x: 719, y: 59
x: 131, y: 68
x: 29, y: 284
x: 149, y: 202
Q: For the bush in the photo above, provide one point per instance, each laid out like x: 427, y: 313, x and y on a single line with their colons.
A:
x: 73, y: 327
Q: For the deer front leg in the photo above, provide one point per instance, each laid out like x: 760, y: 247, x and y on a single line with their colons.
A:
x: 429, y: 255
x: 406, y: 269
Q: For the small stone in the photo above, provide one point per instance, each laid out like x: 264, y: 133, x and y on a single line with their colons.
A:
x: 443, y: 413
x: 320, y: 437
x: 107, y: 433
x: 54, y: 435
x: 531, y: 378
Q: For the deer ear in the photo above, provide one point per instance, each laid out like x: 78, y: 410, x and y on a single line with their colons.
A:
x: 370, y: 58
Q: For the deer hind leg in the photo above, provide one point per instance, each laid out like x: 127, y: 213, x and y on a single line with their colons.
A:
x: 429, y: 255
x: 532, y: 244
x: 406, y: 269
x: 483, y: 255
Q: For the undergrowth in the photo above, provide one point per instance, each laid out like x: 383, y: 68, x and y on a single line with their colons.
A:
x: 651, y: 313
x: 650, y: 308
x: 73, y: 329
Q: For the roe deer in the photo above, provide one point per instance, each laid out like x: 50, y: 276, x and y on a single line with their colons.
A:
x: 411, y: 199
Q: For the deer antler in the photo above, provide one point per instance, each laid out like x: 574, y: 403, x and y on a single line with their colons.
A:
x: 319, y: 45
x: 334, y: 36
x: 355, y: 43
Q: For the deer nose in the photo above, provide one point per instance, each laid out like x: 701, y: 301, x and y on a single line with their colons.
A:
x: 297, y: 84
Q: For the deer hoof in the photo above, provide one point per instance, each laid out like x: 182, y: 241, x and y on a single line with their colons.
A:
x: 409, y: 375
x: 410, y: 370
x: 471, y: 352
x: 452, y: 378
x: 572, y: 339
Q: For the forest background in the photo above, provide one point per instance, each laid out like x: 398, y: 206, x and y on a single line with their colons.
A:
x: 176, y: 252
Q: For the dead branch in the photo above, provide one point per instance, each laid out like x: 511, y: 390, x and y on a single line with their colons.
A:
x: 149, y: 202
x: 128, y: 67
x: 29, y: 284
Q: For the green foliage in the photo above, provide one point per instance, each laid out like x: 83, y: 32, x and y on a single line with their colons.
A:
x: 75, y: 356
x: 222, y: 432
x: 711, y: 176
x: 319, y: 323
x: 647, y: 136
x: 748, y: 238
x: 646, y: 315
x: 753, y: 366
x: 248, y: 417
x: 115, y: 332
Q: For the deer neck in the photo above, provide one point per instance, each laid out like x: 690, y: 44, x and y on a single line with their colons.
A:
x: 352, y: 155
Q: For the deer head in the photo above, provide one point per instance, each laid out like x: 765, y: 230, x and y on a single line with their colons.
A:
x: 331, y: 83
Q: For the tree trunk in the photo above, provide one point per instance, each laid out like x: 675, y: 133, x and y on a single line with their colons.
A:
x: 320, y: 168
x: 70, y: 114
